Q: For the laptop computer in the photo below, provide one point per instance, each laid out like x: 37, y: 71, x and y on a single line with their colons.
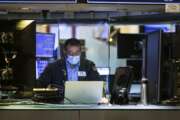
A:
x: 83, y: 92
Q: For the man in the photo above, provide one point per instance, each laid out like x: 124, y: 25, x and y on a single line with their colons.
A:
x: 70, y: 68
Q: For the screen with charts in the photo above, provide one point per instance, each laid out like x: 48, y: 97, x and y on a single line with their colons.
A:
x: 40, y: 66
x: 45, y: 44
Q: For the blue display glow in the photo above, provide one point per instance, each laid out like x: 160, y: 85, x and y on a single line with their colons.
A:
x: 45, y: 44
x: 164, y: 27
x: 40, y: 66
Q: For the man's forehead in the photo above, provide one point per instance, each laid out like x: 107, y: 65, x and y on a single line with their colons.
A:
x: 71, y: 47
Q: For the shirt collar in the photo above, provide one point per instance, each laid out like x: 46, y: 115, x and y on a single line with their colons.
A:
x: 72, y: 66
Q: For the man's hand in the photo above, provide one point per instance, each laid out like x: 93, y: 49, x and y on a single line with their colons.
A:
x: 104, y: 101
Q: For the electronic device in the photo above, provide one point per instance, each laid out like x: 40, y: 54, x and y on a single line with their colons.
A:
x: 121, y: 85
x: 40, y: 66
x: 135, y: 89
x: 135, y: 92
x: 47, y: 95
x: 83, y: 92
x: 129, y: 45
x: 45, y: 44
x: 167, y: 28
x: 103, y: 70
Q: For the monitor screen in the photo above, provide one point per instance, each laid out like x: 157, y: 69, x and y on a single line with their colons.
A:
x: 40, y: 66
x: 135, y: 89
x: 103, y: 70
x: 129, y: 45
x: 45, y: 44
x: 168, y: 28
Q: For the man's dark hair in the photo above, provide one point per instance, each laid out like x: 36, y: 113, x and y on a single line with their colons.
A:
x: 72, y: 42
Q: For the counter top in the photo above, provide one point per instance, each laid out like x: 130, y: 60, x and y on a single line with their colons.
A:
x: 27, y: 104
x: 86, y: 107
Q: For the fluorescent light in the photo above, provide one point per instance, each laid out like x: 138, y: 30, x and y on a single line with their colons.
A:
x: 23, y: 24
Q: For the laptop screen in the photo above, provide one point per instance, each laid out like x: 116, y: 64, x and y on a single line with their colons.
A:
x: 83, y: 92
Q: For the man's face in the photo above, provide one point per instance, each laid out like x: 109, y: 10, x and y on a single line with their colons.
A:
x: 73, y: 50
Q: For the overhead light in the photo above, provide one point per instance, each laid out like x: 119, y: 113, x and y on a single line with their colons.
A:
x: 44, y: 25
x: 25, y: 8
x: 110, y: 39
x: 23, y: 24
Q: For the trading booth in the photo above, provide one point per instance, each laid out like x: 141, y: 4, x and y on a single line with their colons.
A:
x: 131, y: 46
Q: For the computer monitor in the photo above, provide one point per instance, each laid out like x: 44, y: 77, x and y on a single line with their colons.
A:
x: 135, y: 90
x: 40, y: 66
x: 167, y: 28
x: 129, y: 45
x: 103, y: 70
x: 45, y: 44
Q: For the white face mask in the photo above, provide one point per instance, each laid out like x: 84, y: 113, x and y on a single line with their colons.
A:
x: 73, y: 59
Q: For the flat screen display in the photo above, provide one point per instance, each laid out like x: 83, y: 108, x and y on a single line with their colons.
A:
x: 103, y: 70
x: 129, y: 45
x: 45, y: 44
x: 167, y: 28
x: 40, y: 66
